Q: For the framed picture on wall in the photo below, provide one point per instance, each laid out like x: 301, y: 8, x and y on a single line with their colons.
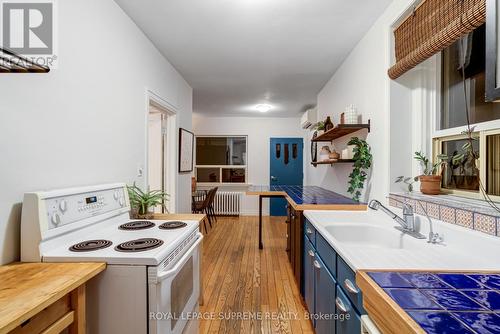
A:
x: 186, y: 148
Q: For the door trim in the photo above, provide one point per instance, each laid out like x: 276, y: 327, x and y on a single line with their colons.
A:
x: 170, y: 179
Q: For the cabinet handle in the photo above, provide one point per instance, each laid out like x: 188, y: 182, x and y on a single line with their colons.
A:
x: 309, y: 231
x: 316, y: 264
x: 311, y: 253
x: 351, y: 288
x: 341, y: 306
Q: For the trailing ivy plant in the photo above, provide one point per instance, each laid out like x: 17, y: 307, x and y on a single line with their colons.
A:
x: 362, y: 163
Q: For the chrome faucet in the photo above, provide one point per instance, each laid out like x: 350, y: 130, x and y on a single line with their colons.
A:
x: 407, y: 222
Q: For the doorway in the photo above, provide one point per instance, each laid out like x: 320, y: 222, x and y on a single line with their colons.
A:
x: 161, y: 141
x: 286, y: 168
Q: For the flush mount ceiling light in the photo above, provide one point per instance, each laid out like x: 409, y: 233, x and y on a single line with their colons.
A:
x: 263, y: 107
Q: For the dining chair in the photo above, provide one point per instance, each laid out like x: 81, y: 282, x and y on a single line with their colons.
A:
x: 205, y: 206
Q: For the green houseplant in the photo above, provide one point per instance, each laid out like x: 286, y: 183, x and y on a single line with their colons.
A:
x: 144, y: 202
x: 362, y: 163
x: 430, y: 180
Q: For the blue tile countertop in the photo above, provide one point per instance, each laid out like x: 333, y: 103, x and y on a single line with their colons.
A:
x: 446, y: 302
x: 305, y: 195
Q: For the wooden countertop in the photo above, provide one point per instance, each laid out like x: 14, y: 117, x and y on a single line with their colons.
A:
x: 28, y: 288
x: 309, y: 197
x: 179, y: 216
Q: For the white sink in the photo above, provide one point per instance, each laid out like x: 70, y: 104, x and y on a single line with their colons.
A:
x: 368, y: 240
x: 371, y: 236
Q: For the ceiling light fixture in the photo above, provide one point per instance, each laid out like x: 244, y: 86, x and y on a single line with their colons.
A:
x: 263, y: 107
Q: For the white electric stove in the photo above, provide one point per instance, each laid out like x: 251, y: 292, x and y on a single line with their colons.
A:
x: 152, y: 281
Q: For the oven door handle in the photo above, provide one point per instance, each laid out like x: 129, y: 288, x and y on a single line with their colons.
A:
x: 180, y: 263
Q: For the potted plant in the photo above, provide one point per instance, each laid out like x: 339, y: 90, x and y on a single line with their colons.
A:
x: 319, y: 127
x: 430, y: 180
x: 362, y: 163
x: 143, y: 202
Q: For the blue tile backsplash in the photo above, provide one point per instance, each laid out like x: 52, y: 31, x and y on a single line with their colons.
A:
x: 446, y: 302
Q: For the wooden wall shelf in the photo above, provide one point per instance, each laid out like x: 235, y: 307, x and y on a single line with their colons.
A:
x: 332, y: 162
x: 341, y: 130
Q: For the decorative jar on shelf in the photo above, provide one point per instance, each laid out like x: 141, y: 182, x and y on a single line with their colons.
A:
x: 324, y: 154
x: 328, y: 124
x: 351, y: 115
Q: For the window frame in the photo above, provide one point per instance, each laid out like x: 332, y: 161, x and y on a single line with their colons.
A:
x: 221, y: 167
x: 438, y: 136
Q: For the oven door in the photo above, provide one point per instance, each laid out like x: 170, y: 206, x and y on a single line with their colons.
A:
x: 174, y: 293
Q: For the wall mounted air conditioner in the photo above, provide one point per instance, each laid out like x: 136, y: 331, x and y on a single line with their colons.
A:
x: 309, y: 118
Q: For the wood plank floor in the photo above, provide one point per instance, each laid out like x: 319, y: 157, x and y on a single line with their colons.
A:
x: 247, y: 290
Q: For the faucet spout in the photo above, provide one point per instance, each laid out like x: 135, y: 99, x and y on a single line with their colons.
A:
x: 376, y: 205
x: 407, y: 224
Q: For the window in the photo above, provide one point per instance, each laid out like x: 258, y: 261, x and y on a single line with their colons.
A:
x: 464, y: 175
x: 453, y: 101
x: 221, y: 159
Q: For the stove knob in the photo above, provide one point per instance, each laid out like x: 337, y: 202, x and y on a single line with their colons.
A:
x: 63, y: 205
x: 121, y: 201
x: 56, y: 219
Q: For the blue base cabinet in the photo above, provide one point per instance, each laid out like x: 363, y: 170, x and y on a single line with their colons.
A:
x: 308, y: 290
x: 329, y: 287
x: 325, y: 290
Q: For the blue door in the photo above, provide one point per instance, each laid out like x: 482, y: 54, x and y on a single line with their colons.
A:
x: 286, y: 168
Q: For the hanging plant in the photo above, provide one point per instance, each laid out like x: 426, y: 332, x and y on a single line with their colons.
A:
x: 362, y: 163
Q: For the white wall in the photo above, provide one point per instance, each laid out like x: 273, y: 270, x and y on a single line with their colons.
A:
x: 85, y: 122
x: 259, y: 132
x: 362, y: 80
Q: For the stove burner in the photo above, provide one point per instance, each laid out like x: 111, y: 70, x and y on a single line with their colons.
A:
x: 90, y: 245
x: 136, y: 225
x: 172, y: 225
x: 139, y: 245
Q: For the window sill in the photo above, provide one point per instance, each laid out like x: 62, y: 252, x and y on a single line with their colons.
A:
x: 452, y: 201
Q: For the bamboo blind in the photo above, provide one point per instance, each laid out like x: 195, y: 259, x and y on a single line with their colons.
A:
x: 433, y: 26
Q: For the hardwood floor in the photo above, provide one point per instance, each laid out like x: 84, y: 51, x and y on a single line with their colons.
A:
x: 247, y: 290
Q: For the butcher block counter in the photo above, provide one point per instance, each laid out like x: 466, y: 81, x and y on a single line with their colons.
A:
x: 44, y: 297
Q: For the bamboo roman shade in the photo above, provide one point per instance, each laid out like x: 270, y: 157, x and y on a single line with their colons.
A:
x: 433, y: 26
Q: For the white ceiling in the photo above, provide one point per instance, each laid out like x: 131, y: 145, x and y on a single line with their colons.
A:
x: 239, y: 53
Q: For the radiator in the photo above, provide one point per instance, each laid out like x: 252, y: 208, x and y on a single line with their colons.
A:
x: 226, y: 203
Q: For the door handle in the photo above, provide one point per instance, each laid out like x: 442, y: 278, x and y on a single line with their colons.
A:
x: 273, y: 178
x: 309, y: 231
x: 316, y: 264
x: 311, y: 253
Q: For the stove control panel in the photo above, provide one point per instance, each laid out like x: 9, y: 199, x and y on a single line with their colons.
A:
x: 67, y: 209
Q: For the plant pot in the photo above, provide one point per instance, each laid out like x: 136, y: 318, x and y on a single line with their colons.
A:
x: 134, y: 214
x: 430, y: 184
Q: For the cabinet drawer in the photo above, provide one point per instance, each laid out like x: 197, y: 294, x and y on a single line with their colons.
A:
x: 347, y: 280
x: 327, y: 254
x: 352, y: 321
x: 310, y: 232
